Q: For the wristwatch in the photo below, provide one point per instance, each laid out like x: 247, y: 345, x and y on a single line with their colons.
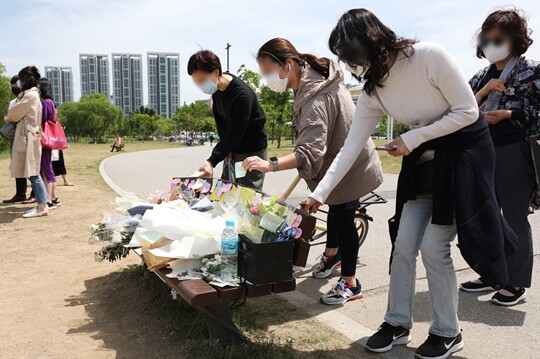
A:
x: 275, y: 163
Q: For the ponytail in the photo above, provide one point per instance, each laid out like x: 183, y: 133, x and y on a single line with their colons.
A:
x: 279, y: 50
x: 319, y: 64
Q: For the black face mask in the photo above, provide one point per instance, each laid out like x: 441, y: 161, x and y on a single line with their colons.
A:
x: 16, y: 90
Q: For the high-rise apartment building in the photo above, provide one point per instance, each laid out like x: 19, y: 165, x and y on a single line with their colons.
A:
x: 163, y: 82
x: 61, y: 79
x: 127, y: 81
x: 94, y: 74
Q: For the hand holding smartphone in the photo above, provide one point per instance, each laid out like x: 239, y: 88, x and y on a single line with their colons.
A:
x: 385, y: 148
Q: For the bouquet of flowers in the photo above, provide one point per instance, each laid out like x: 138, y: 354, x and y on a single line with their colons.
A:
x: 116, y: 229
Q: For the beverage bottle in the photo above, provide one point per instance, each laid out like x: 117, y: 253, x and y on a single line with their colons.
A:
x: 229, y: 252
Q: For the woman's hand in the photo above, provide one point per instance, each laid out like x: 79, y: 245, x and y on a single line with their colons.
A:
x: 494, y: 117
x: 310, y: 205
x: 255, y: 163
x: 492, y: 85
x: 206, y: 170
x: 400, y: 148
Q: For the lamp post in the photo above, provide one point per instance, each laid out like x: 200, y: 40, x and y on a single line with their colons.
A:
x: 227, y: 48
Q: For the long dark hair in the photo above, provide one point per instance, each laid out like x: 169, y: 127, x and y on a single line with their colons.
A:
x: 360, y: 38
x: 279, y: 50
x: 29, y: 77
x: 512, y: 23
x: 45, y: 89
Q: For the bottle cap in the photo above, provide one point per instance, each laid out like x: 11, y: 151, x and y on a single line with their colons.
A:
x: 229, y: 224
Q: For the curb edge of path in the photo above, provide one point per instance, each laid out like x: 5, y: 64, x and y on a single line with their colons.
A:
x: 108, y: 179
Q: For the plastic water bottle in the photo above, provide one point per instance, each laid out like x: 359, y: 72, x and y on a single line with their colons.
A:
x: 229, y: 252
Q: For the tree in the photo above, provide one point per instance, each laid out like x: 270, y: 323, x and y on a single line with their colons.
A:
x: 251, y: 78
x: 93, y: 116
x: 278, y: 109
x: 196, y: 117
x: 69, y: 116
x: 5, y: 98
x: 165, y: 127
x: 143, y: 125
x: 146, y: 110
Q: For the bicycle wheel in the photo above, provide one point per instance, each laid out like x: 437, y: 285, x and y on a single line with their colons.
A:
x: 362, y: 227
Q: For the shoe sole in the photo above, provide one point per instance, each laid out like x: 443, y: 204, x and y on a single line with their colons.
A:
x: 475, y: 290
x: 509, y: 304
x: 456, y: 348
x: 399, y: 341
x: 341, y: 302
x: 319, y: 276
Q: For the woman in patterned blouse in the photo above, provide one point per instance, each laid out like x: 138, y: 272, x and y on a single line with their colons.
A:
x: 512, y: 111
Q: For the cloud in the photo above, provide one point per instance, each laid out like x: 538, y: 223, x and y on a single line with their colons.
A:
x: 54, y: 32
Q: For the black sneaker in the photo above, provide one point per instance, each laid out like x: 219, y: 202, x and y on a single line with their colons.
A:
x: 51, y: 205
x: 57, y: 202
x: 386, y: 337
x: 437, y: 347
x: 326, y: 266
x: 475, y: 287
x: 508, y: 301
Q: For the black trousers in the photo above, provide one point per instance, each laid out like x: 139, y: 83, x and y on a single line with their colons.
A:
x: 342, y: 234
x: 22, y: 186
x: 514, y: 185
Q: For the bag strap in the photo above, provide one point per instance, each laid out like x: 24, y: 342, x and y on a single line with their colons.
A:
x: 494, y: 98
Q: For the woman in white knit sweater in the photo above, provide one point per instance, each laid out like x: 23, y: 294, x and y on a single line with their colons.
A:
x: 421, y: 86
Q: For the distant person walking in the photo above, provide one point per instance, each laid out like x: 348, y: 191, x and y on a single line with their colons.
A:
x: 26, y: 159
x: 211, y: 138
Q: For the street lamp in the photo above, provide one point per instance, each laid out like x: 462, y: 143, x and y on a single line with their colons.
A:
x: 227, y: 48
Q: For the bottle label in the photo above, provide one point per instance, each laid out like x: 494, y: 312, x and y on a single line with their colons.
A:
x: 229, y: 247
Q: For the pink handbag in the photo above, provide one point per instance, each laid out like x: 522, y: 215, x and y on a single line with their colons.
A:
x: 54, y: 137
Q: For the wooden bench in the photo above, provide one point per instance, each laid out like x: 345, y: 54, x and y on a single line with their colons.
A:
x: 214, y: 302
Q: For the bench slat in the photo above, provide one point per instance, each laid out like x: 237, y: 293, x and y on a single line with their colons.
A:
x: 230, y: 294
x: 196, y: 292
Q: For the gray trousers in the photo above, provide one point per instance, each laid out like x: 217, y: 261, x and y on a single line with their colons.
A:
x: 417, y: 233
x: 514, y: 185
x: 253, y: 179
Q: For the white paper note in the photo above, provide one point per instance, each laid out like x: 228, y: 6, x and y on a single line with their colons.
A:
x: 239, y: 170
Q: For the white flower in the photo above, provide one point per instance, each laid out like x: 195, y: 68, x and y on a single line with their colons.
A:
x: 116, y: 237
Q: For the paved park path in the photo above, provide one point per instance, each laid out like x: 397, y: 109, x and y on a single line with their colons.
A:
x: 489, y: 331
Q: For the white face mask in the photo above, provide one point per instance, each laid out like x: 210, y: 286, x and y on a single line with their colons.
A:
x: 496, y: 53
x: 358, y: 71
x: 275, y: 83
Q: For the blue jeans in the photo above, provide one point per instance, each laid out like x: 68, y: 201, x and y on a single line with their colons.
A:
x: 39, y: 189
x: 417, y: 233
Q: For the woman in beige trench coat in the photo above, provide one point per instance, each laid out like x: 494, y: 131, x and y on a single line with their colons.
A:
x: 26, y: 159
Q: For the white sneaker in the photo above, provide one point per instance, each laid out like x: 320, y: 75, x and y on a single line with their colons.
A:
x: 342, y: 292
x: 34, y: 213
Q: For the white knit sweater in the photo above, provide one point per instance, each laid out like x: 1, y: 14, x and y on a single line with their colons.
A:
x: 426, y: 91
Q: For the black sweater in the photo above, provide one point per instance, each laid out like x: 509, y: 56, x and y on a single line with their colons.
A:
x: 239, y: 119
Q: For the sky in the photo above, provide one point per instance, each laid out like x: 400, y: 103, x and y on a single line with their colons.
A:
x: 54, y: 32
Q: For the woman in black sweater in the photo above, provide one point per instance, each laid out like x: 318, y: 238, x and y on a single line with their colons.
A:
x: 239, y: 119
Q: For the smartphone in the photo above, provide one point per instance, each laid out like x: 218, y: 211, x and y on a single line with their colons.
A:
x: 384, y: 148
